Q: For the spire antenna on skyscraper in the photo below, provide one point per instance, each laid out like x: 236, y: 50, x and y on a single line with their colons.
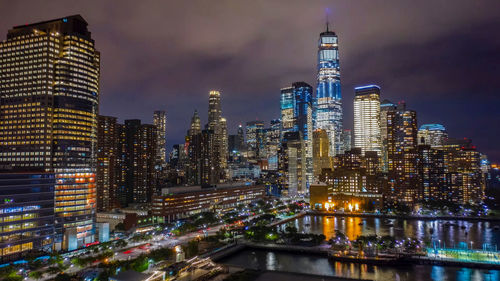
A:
x: 327, y: 11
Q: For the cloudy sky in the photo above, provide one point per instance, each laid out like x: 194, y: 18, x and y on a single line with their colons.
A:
x: 441, y: 57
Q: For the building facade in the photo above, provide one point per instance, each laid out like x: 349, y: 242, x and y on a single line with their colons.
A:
x: 367, y: 118
x: 180, y: 202
x: 434, y: 135
x: 138, y: 154
x: 107, y: 177
x: 328, y: 103
x: 26, y: 214
x: 321, y: 155
x: 385, y: 107
x: 49, y: 93
x: 255, y: 140
x: 402, y: 155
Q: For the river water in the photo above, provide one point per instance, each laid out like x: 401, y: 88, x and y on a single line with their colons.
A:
x: 312, y: 264
x: 447, y: 233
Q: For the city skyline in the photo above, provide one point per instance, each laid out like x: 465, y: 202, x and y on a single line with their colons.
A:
x: 433, y: 87
x: 249, y: 139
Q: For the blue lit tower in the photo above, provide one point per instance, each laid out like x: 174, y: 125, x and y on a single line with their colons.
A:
x: 328, y: 102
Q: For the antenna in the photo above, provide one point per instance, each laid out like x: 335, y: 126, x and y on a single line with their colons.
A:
x: 327, y: 13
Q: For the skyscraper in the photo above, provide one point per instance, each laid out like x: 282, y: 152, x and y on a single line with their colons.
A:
x: 385, y: 107
x: 214, y: 127
x: 347, y: 139
x: 255, y: 140
x: 49, y: 104
x: 160, y: 122
x: 107, y: 153
x: 291, y: 162
x: 367, y: 118
x: 193, y: 144
x: 272, y: 144
x: 224, y: 144
x: 402, y: 154
x: 321, y: 148
x: 287, y: 106
x: 297, y: 116
x: 328, y: 95
x: 139, y: 157
x: 195, y: 126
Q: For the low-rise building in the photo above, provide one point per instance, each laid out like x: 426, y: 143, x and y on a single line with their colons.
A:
x: 178, y: 202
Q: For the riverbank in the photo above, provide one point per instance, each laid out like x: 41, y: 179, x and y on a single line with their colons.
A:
x: 408, y: 217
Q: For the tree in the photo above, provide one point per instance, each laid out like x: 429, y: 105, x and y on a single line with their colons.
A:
x: 36, y: 275
x: 63, y: 277
x: 191, y: 249
x: 53, y: 270
x: 140, y: 264
x: 121, y: 243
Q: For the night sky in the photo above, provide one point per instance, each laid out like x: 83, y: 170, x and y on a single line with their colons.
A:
x: 441, y: 57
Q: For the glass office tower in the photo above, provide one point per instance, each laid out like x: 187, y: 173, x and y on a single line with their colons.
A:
x: 367, y: 118
x: 328, y: 101
x: 49, y: 77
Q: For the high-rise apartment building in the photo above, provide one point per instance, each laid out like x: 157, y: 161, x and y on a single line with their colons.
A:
x: 328, y: 103
x: 209, y: 164
x: 434, y: 135
x: 402, y: 154
x: 160, y: 122
x: 193, y: 149
x: 464, y: 178
x: 224, y: 146
x: 354, y: 182
x: 139, y: 161
x: 385, y: 107
x: 367, y: 118
x: 218, y: 150
x: 106, y: 171
x: 49, y: 94
x: 432, y: 174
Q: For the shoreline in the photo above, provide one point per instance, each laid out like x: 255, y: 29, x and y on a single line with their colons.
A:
x: 407, y: 217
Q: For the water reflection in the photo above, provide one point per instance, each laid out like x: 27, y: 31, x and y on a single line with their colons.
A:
x: 449, y: 232
x: 303, y: 263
